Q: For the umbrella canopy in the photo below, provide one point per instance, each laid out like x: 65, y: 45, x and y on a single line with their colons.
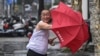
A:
x: 69, y: 26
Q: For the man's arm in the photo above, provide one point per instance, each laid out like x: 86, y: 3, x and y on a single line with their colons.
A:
x: 43, y: 25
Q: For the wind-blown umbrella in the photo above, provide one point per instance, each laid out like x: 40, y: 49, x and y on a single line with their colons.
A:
x: 69, y: 26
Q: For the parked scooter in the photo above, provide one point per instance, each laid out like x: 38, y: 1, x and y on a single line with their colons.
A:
x: 14, y: 26
x: 19, y: 26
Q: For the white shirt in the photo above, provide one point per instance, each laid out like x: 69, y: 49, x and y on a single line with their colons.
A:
x: 39, y: 41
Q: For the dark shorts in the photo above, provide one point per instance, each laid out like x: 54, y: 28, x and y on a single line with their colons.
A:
x: 32, y: 53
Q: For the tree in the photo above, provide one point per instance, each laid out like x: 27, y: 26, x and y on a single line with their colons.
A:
x: 95, y: 26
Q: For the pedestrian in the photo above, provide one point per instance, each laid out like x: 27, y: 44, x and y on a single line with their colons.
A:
x: 38, y: 43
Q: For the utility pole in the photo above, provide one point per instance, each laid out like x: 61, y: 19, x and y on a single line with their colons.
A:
x: 52, y: 2
x: 41, y: 7
x: 85, y: 11
x: 9, y: 10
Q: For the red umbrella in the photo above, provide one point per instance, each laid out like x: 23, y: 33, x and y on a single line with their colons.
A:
x: 69, y: 26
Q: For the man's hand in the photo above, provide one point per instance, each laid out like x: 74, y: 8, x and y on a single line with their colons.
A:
x: 50, y: 41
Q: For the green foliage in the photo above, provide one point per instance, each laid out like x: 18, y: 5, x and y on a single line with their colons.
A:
x: 65, y: 50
